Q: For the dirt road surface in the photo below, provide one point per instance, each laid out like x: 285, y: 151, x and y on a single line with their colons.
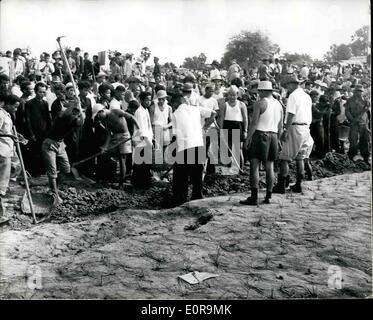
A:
x: 287, y: 249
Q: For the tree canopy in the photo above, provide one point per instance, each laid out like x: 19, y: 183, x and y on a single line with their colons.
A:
x: 249, y: 48
x: 297, y: 58
x: 197, y: 63
x: 357, y: 47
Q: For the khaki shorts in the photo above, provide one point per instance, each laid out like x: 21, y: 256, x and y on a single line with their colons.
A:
x: 299, y: 144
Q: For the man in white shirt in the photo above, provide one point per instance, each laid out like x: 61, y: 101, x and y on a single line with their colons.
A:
x: 116, y: 102
x: 17, y: 65
x: 190, y: 151
x: 209, y: 102
x: 143, y: 140
x: 296, y: 139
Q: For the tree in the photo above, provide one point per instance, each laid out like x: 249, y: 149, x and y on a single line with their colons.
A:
x: 360, y: 42
x: 249, y: 48
x: 298, y: 58
x: 338, y: 53
x: 170, y: 65
x: 197, y: 63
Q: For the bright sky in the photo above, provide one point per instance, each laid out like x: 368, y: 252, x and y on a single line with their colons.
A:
x: 175, y: 29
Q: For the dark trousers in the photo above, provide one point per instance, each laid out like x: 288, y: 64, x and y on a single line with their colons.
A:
x: 318, y: 136
x: 34, y: 160
x: 359, y: 139
x: 141, y: 175
x: 184, y: 171
x: 230, y: 126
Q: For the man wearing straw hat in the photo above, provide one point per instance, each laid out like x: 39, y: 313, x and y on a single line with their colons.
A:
x: 357, y: 114
x: 296, y: 138
x: 262, y: 140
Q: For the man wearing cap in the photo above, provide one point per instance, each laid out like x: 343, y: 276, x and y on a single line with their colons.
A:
x: 296, y: 138
x: 356, y: 111
x: 263, y: 71
x: 160, y: 116
x: 189, y: 94
x: 262, y: 140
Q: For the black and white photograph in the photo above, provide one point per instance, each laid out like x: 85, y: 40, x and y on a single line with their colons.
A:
x: 185, y: 150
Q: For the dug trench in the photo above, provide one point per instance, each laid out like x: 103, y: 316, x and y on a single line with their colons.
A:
x: 127, y: 244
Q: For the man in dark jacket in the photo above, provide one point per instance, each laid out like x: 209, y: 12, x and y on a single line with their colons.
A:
x: 38, y: 122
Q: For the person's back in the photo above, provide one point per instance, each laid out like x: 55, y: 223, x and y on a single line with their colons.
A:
x: 270, y: 118
x: 300, y: 104
x: 117, y: 122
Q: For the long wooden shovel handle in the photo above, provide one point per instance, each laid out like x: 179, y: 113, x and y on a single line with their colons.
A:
x: 25, y: 176
x: 100, y: 153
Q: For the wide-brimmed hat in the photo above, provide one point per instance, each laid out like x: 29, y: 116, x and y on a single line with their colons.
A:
x: 187, y: 87
x: 69, y: 85
x: 161, y: 94
x: 56, y: 79
x: 265, y: 86
x: 56, y: 55
x: 216, y: 77
x: 101, y: 74
x: 293, y: 78
x: 96, y: 109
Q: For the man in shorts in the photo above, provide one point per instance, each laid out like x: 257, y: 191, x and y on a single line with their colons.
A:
x: 262, y: 140
x: 118, y: 139
x: 296, y: 139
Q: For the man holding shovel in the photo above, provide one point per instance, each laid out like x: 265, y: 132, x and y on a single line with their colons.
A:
x: 53, y: 147
x: 115, y: 126
x: 8, y: 107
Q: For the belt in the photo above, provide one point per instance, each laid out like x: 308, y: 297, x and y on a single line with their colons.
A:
x: 299, y: 124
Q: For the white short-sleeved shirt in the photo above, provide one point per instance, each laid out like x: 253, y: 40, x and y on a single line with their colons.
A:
x: 114, y: 104
x: 210, y: 103
x: 143, y: 119
x: 186, y: 125
x: 300, y: 104
x: 6, y: 143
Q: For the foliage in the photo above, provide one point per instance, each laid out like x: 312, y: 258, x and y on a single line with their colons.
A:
x: 196, y: 63
x: 338, y: 53
x: 358, y: 47
x: 298, y: 58
x: 249, y: 48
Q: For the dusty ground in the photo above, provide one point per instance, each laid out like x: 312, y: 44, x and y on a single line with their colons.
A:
x: 282, y: 250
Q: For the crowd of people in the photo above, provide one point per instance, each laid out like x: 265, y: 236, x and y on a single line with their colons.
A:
x: 269, y: 115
